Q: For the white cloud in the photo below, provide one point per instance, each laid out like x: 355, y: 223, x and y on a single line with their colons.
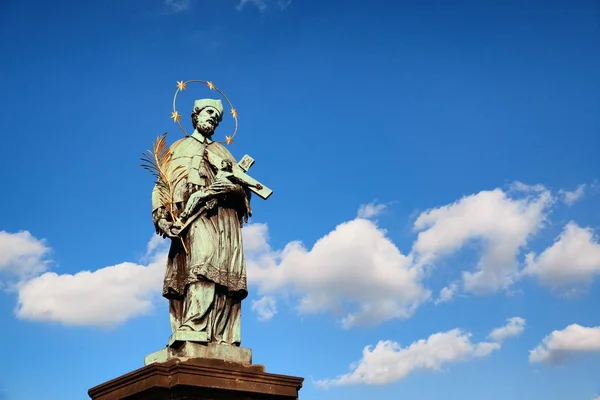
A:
x: 355, y: 270
x: 518, y: 186
x: 256, y: 239
x: 355, y: 265
x: 383, y: 283
x: 156, y: 243
x: 573, y: 259
x: 263, y: 5
x: 561, y: 345
x: 370, y: 210
x: 447, y: 293
x: 105, y: 297
x: 22, y: 255
x: 514, y: 327
x: 265, y: 308
x: 388, y: 361
x: 177, y: 6
x: 500, y: 223
x: 570, y: 197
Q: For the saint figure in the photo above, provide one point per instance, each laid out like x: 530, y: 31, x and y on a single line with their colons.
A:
x: 205, y: 281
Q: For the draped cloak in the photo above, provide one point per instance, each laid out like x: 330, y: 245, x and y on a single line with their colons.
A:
x: 214, y: 239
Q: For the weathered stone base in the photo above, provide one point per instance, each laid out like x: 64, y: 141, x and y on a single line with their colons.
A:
x: 187, y: 336
x: 183, y: 351
x: 199, y: 379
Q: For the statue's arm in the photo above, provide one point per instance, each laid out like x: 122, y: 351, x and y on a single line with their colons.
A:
x: 240, y: 188
x: 160, y: 216
x: 222, y: 187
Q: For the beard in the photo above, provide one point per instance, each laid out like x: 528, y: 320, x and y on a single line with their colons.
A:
x: 206, y: 128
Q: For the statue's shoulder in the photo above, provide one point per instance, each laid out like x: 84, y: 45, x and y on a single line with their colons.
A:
x: 179, y: 142
x: 220, y: 150
x: 184, y: 145
x: 216, y: 146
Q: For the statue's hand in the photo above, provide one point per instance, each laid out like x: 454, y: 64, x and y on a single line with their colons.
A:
x: 184, y: 216
x: 211, y: 203
x: 164, y: 228
x: 191, y: 187
x: 176, y: 228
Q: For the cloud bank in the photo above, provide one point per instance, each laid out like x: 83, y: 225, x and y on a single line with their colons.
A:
x: 572, y: 261
x: 354, y: 266
x: 370, y: 210
x: 105, y: 297
x: 22, y: 255
x: 388, y: 361
x: 514, y: 327
x: 355, y: 271
x: 570, y: 197
x: 265, y: 308
x: 501, y: 224
x: 562, y: 345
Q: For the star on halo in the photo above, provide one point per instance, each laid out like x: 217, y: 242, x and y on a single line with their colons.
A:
x: 234, y: 112
x: 228, y: 139
x: 210, y: 85
x: 175, y: 115
x: 181, y: 85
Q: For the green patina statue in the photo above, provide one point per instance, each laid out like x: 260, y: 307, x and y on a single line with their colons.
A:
x: 205, y: 279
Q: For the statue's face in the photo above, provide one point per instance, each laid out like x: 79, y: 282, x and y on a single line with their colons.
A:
x: 207, y: 121
x: 225, y: 165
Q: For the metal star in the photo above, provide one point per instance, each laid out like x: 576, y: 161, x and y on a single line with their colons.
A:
x: 210, y: 85
x: 234, y: 113
x: 175, y: 115
x: 181, y: 85
x: 228, y: 139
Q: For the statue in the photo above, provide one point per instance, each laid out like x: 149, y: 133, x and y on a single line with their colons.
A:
x: 200, y: 201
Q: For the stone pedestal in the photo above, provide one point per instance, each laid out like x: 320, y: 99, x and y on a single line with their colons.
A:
x: 184, y: 351
x: 199, y: 379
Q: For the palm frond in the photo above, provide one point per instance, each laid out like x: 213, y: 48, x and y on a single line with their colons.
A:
x: 158, y: 162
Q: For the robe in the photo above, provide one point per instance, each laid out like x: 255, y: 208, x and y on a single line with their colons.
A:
x: 205, y: 287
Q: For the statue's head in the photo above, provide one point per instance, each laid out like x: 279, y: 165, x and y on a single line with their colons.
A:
x: 206, y: 116
x: 226, y: 165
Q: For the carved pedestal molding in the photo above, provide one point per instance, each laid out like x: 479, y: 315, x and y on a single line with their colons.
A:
x: 199, y: 379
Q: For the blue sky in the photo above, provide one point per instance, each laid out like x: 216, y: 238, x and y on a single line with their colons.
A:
x: 434, y: 224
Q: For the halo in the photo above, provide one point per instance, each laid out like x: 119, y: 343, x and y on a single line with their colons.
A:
x: 181, y: 85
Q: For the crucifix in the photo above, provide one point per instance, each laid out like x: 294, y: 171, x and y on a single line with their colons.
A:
x: 232, y: 172
x: 239, y: 172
